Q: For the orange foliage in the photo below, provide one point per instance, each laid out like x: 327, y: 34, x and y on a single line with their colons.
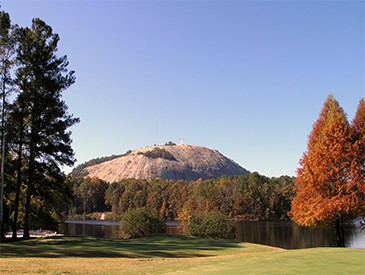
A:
x: 358, y: 162
x: 330, y: 179
x: 358, y: 123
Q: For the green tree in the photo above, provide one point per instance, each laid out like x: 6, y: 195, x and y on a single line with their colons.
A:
x: 51, y: 197
x: 90, y: 195
x: 7, y: 49
x: 17, y: 135
x: 42, y: 77
x: 112, y: 198
x: 212, y: 225
x: 139, y: 222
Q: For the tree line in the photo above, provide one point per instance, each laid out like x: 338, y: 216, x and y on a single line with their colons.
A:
x: 244, y: 197
x: 35, y: 122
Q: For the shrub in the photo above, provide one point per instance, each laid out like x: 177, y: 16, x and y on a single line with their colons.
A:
x: 212, y: 225
x: 170, y: 143
x: 159, y: 153
x: 139, y: 222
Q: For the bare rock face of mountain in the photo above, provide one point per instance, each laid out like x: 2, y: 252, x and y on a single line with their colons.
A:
x: 175, y: 162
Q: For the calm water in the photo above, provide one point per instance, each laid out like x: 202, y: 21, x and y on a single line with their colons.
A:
x: 280, y: 234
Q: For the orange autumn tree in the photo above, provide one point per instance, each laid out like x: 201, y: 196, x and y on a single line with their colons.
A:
x: 358, y: 164
x: 328, y: 186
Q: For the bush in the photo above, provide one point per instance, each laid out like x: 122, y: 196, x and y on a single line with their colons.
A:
x: 140, y: 222
x: 170, y: 143
x: 159, y: 153
x: 212, y: 225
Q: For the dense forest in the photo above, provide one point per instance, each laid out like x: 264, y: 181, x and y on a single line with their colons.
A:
x: 244, y: 197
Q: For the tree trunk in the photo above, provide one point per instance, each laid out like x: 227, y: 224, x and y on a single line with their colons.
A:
x: 29, y: 189
x: 2, y: 236
x: 19, y: 180
x: 340, y: 232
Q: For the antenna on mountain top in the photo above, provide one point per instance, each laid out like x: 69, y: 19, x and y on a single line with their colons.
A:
x: 156, y: 133
x: 181, y: 140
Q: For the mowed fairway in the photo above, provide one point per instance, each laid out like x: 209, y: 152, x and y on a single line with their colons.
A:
x: 171, y: 255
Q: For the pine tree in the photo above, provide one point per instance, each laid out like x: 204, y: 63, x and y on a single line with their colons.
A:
x: 324, y: 189
x: 7, y: 48
x: 16, y: 132
x: 42, y: 77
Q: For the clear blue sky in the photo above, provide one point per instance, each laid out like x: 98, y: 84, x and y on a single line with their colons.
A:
x: 247, y: 78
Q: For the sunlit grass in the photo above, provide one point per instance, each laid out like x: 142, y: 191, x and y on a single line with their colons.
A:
x: 171, y: 255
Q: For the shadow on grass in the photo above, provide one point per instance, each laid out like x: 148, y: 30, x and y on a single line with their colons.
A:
x: 155, y: 246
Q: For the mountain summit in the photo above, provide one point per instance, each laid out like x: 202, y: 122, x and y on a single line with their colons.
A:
x: 175, y: 162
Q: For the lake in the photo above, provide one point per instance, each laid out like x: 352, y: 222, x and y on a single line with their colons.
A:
x: 285, y: 234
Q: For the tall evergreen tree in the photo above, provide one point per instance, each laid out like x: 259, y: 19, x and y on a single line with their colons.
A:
x: 7, y: 60
x: 7, y: 48
x: 324, y: 193
x: 18, y: 138
x: 42, y: 77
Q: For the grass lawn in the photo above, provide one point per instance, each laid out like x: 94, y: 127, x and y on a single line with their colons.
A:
x: 171, y: 255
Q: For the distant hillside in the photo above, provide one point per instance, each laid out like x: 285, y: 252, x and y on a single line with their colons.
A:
x: 175, y: 162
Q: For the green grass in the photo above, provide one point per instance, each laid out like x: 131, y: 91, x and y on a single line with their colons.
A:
x: 148, y: 247
x: 171, y: 255
x: 304, y: 261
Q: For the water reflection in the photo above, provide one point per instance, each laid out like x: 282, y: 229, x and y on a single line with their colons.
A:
x: 356, y: 237
x: 280, y: 234
x: 79, y: 228
x: 284, y: 234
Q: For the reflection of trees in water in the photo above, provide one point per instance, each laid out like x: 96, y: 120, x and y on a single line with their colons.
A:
x: 283, y: 234
x: 91, y: 230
